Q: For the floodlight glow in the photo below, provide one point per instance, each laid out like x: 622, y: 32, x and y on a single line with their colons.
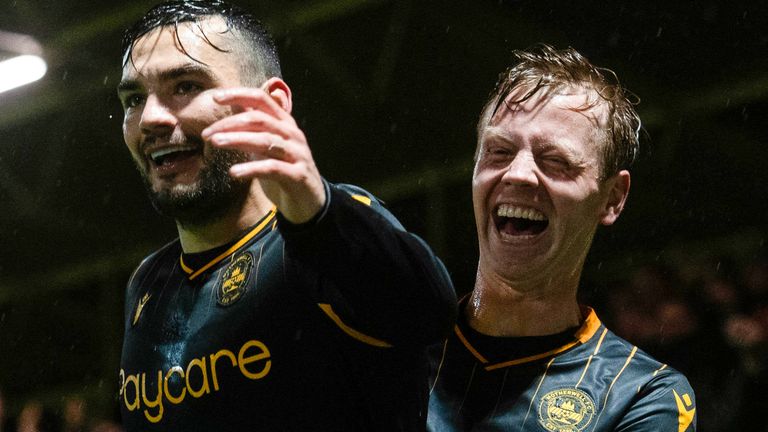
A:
x: 21, y: 70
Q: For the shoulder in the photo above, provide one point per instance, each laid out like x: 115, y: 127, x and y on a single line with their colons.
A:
x: 356, y: 193
x: 351, y: 196
x: 353, y: 190
x: 652, y: 378
x: 158, y: 259
x: 636, y: 363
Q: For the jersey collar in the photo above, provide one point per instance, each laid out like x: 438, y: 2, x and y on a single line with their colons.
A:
x: 194, y: 270
x: 586, y: 331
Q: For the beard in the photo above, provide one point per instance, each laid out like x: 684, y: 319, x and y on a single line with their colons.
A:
x: 213, y: 194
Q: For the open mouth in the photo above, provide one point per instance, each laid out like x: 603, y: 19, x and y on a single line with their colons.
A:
x: 166, y: 157
x: 519, y: 221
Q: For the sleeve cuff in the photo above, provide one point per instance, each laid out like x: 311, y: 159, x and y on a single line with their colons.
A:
x: 287, y: 227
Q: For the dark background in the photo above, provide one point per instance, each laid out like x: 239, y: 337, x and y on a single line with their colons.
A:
x: 388, y: 92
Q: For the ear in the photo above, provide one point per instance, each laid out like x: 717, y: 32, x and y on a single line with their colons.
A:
x: 280, y: 92
x: 618, y: 190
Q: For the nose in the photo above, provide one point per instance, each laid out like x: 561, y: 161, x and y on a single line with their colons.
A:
x: 156, y: 118
x: 521, y: 170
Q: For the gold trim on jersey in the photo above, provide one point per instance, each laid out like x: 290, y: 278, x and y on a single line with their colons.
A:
x: 616, y: 378
x: 349, y: 330
x: 440, y: 366
x: 588, y: 329
x: 362, y: 198
x: 251, y: 234
x: 538, y: 387
x: 589, y: 360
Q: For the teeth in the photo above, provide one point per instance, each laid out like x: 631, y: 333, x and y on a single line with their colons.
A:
x: 155, y: 155
x: 510, y: 211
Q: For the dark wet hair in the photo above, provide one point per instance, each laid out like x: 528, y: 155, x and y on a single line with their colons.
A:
x: 259, y: 60
x: 544, y: 68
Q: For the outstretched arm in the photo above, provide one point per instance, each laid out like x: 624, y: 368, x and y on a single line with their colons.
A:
x: 353, y: 258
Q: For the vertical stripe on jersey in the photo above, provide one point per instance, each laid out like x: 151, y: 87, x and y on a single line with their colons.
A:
x: 589, y: 361
x: 608, y: 393
x: 469, y: 385
x: 533, y: 398
x: 439, y: 367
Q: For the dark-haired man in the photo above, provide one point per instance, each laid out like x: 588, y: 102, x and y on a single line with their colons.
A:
x: 555, y: 142
x: 287, y: 303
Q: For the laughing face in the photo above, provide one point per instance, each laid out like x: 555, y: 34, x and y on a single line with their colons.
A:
x: 537, y: 193
x: 166, y: 92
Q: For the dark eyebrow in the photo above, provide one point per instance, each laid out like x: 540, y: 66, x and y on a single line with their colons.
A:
x: 127, y: 86
x: 167, y: 75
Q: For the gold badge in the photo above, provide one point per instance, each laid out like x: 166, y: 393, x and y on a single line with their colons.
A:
x: 566, y: 410
x: 234, y: 280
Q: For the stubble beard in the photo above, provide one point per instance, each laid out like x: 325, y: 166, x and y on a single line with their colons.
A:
x: 209, y: 198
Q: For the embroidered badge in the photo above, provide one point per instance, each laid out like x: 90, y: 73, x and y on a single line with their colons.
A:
x: 566, y: 410
x: 234, y: 280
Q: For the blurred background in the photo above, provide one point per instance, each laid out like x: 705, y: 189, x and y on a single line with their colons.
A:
x: 388, y: 92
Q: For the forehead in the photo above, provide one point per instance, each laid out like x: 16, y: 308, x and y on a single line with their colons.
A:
x: 208, y: 42
x: 571, y: 104
x: 571, y: 113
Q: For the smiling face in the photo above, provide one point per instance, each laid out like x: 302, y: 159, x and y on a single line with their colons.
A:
x: 167, y: 96
x: 536, y: 191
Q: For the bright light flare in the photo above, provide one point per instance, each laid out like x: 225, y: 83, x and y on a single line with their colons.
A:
x: 21, y: 70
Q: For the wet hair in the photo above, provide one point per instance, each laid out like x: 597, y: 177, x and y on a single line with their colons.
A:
x: 259, y: 60
x: 545, y: 69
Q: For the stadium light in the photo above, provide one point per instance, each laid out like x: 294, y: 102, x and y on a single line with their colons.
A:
x: 21, y: 70
x: 23, y: 61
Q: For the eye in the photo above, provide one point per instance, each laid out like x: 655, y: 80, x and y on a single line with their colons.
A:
x: 132, y: 100
x: 560, y: 166
x: 187, y: 87
x: 497, y: 152
x: 556, y: 161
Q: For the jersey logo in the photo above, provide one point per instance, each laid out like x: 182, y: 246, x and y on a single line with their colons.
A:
x: 566, y: 410
x: 140, y: 307
x: 685, y: 415
x: 234, y: 280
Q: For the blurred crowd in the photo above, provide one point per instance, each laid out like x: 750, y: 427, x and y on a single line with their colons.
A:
x: 70, y: 415
x: 709, y: 321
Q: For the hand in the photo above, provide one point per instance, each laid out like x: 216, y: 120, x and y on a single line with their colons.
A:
x: 282, y: 161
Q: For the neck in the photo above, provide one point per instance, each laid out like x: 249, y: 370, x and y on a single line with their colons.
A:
x: 228, y: 227
x: 501, y: 308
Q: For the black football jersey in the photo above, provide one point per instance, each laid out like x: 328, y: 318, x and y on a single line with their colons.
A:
x: 321, y: 326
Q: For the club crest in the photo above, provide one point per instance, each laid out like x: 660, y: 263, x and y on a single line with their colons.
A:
x: 234, y: 279
x: 566, y: 410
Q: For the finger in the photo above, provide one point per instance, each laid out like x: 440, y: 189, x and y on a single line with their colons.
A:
x: 253, y: 121
x: 254, y: 98
x: 267, y: 169
x: 262, y: 144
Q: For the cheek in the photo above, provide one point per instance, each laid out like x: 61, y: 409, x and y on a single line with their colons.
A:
x: 131, y: 132
x: 483, y: 184
x: 480, y: 187
x: 580, y: 205
x: 202, y: 112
